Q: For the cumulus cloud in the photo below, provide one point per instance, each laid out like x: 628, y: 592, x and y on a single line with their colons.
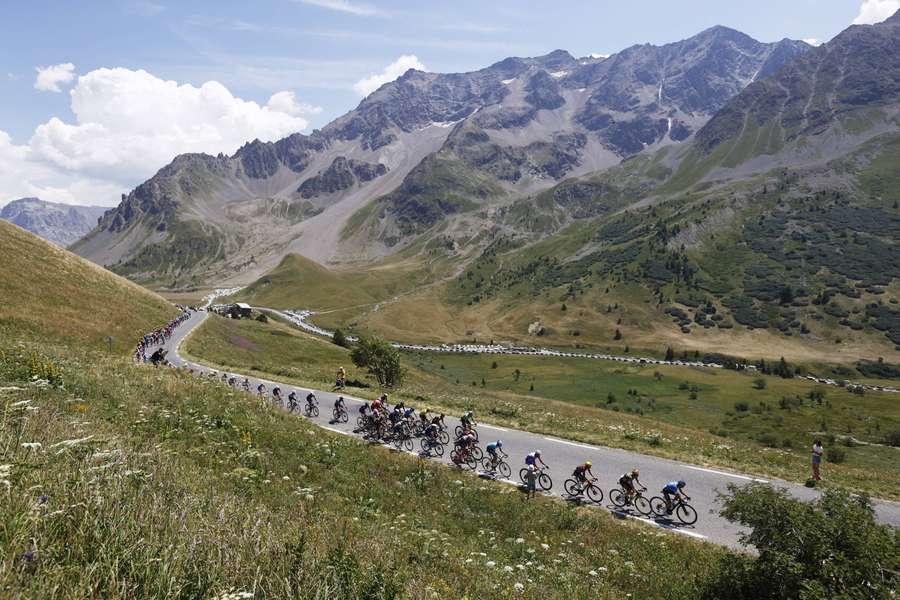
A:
x: 50, y: 79
x: 876, y: 11
x: 286, y: 102
x: 345, y: 6
x: 367, y: 85
x: 127, y: 125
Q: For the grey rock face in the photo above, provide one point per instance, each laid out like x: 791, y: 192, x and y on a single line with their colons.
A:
x: 61, y: 224
x: 340, y: 175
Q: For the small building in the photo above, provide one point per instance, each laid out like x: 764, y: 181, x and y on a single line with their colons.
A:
x: 242, y: 310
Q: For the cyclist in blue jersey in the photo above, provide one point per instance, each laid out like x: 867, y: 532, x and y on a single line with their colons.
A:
x: 495, y: 449
x: 672, y: 491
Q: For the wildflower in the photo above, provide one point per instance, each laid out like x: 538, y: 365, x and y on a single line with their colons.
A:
x: 286, y: 478
x: 490, y: 564
x: 592, y: 573
x: 520, y: 540
x: 508, y: 569
x: 519, y: 587
x: 545, y: 546
x: 31, y: 445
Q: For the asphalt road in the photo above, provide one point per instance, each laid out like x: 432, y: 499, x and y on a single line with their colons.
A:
x: 563, y: 455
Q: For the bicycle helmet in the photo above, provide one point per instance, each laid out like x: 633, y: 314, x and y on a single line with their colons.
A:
x: 635, y: 473
x: 537, y: 452
x: 499, y: 443
x: 588, y: 464
x: 681, y: 483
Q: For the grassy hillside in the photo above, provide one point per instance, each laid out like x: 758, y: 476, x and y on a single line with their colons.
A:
x: 49, y: 293
x: 298, y: 282
x: 716, y: 417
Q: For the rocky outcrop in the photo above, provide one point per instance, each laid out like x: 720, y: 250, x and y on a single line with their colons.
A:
x: 61, y: 224
x: 342, y: 174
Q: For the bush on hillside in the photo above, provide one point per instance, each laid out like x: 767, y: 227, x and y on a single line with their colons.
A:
x: 831, y: 548
x: 339, y: 339
x: 380, y: 358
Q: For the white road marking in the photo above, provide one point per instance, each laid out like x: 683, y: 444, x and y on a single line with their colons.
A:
x: 553, y: 439
x: 726, y: 473
x: 334, y: 429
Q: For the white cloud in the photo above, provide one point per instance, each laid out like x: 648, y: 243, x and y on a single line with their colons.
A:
x: 813, y: 41
x: 345, y: 6
x: 49, y: 79
x: 128, y: 124
x: 286, y: 102
x: 367, y: 85
x: 876, y: 11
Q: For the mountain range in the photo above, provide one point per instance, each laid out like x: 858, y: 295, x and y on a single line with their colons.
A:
x: 61, y: 224
x: 721, y: 176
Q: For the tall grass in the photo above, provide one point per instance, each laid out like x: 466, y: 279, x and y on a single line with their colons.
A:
x: 119, y: 481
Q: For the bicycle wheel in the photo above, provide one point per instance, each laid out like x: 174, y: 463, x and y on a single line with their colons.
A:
x: 545, y: 482
x: 595, y: 494
x: 336, y: 415
x: 361, y: 422
x: 342, y: 416
x: 426, y: 446
x: 475, y: 433
x: 571, y: 487
x: 477, y: 453
x: 686, y: 514
x: 504, y: 470
x: 407, y: 444
x: 458, y: 431
x: 454, y: 456
x: 438, y: 448
x: 618, y: 497
x: 471, y: 462
x: 315, y: 411
x: 642, y: 505
x: 487, y: 464
x: 522, y: 473
x: 444, y: 437
x: 658, y: 506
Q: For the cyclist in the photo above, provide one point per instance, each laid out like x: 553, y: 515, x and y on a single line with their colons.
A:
x: 532, y: 458
x: 673, y: 491
x: 438, y: 420
x: 339, y: 405
x: 431, y: 431
x: 464, y: 444
x: 340, y: 378
x: 582, y: 472
x: 292, y: 400
x: 363, y: 409
x: 628, y: 481
x: 409, y: 413
x: 276, y: 394
x: 232, y: 382
x: 310, y: 400
x: 423, y: 417
x: 376, y: 405
x: 246, y: 384
x: 261, y: 390
x: 468, y: 420
x: 494, y: 450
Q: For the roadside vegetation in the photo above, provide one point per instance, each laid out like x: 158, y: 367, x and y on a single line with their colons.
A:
x: 708, y: 416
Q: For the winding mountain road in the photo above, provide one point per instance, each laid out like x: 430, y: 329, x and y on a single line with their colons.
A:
x: 563, y: 455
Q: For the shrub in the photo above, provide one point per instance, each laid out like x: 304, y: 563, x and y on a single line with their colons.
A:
x: 831, y: 548
x: 741, y: 406
x: 893, y: 438
x: 339, y: 339
x: 768, y: 439
x: 759, y: 383
x: 262, y: 318
x: 836, y: 455
x: 380, y: 358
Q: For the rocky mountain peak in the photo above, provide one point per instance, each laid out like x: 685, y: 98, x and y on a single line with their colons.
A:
x: 61, y: 224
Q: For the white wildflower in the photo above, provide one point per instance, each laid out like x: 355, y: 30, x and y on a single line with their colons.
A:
x: 508, y: 569
x: 545, y: 546
x: 31, y: 445
x: 519, y: 587
x: 490, y: 564
x: 520, y: 540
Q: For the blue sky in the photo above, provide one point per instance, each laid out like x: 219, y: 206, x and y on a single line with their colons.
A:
x: 316, y: 50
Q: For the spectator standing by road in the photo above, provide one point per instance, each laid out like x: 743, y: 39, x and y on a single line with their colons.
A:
x: 817, y: 452
x: 530, y: 481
